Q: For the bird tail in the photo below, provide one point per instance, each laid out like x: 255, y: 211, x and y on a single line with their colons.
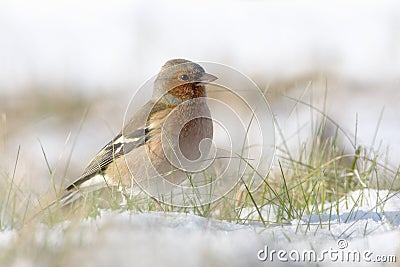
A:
x: 69, y: 197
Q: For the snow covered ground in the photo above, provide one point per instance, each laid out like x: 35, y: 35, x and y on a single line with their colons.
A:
x: 113, y: 47
x: 367, y: 231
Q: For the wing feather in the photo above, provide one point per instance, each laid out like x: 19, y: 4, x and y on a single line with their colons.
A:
x: 135, y: 134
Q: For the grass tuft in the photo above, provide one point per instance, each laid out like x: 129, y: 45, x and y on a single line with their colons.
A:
x: 308, y: 186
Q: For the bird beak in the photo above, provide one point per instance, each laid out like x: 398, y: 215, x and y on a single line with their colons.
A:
x: 207, y: 78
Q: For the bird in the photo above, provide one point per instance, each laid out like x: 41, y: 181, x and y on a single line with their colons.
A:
x: 161, y: 142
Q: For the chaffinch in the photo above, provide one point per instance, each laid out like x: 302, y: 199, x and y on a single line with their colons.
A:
x: 156, y: 148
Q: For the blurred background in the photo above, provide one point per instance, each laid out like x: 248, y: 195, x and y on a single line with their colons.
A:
x: 69, y: 68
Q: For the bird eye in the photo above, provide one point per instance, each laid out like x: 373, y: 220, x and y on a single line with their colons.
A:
x: 184, y: 77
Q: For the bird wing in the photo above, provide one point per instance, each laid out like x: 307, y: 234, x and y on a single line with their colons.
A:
x: 135, y: 134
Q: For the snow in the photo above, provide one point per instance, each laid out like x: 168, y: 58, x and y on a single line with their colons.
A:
x: 6, y: 237
x: 178, y: 239
x: 115, y: 46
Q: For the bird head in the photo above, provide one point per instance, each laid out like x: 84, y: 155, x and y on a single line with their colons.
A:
x: 180, y: 80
